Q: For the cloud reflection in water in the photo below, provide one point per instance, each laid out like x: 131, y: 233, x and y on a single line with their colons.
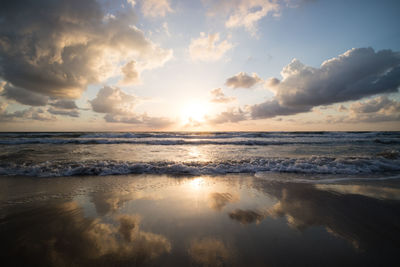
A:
x: 60, y: 235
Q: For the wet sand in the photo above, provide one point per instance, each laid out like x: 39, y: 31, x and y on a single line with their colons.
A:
x: 230, y: 220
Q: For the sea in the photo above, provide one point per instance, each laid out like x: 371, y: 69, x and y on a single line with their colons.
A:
x: 338, y: 155
x: 199, y: 198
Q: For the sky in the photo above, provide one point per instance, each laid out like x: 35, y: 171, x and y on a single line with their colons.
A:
x: 201, y: 65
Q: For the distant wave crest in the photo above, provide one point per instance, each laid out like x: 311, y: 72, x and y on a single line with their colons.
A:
x: 172, y: 142
x: 194, y: 138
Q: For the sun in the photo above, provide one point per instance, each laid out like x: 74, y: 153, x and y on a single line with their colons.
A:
x: 194, y: 112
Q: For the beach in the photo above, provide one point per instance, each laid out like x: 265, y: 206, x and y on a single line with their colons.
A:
x: 199, y: 133
x: 231, y: 199
x: 231, y: 220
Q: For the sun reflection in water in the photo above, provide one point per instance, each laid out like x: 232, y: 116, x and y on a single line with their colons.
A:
x: 197, y: 183
x: 195, y: 153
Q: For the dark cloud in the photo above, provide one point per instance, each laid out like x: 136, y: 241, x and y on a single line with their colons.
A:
x: 121, y: 119
x: 23, y: 96
x: 272, y: 108
x: 37, y: 114
x: 64, y: 108
x: 243, y: 80
x: 58, y: 48
x: 64, y: 104
x: 353, y: 75
x: 219, y: 97
x: 63, y: 112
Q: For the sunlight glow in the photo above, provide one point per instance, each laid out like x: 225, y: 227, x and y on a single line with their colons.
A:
x: 194, y: 112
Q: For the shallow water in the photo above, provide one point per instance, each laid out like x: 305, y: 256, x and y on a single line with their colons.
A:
x: 228, y: 220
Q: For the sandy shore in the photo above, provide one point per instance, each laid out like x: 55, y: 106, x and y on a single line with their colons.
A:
x: 232, y: 220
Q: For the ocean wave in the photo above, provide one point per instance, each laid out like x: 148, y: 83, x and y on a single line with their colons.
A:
x: 172, y: 142
x: 203, y: 138
x: 312, y: 165
x: 225, y: 135
x: 200, y: 135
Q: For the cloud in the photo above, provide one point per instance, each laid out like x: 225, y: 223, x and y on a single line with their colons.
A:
x: 62, y: 107
x: 3, y: 107
x: 58, y: 49
x: 31, y: 113
x: 23, y: 96
x: 381, y: 103
x: 207, y: 48
x: 375, y: 110
x: 242, y: 13
x: 64, y: 104
x: 131, y: 75
x: 219, y: 97
x: 243, y: 80
x: 114, y: 101
x: 378, y: 109
x: 358, y: 73
x: 150, y: 122
x: 119, y: 108
x: 272, y: 108
x: 230, y: 115
x: 156, y: 8
x: 166, y: 29
x: 131, y: 2
x: 70, y: 113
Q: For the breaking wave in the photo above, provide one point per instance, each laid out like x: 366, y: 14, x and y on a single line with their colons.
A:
x: 313, y: 165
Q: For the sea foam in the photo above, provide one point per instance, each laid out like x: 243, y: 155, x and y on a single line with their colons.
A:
x: 312, y: 165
